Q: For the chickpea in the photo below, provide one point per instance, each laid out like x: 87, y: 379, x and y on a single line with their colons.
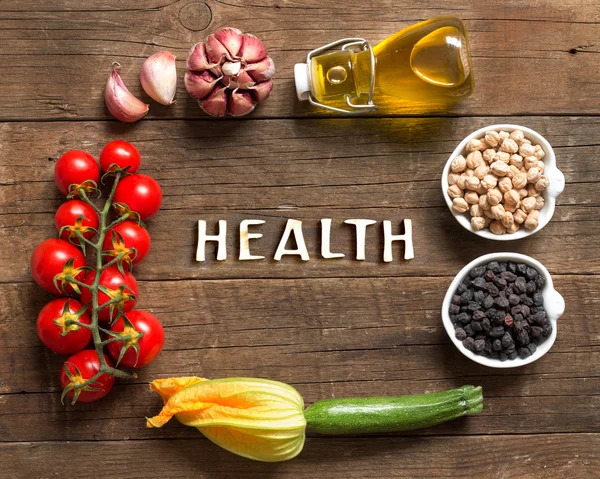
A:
x: 519, y: 181
x: 509, y: 146
x: 499, y: 168
x: 452, y: 177
x: 494, y: 196
x: 498, y: 212
x: 488, y: 214
x: 539, y: 152
x: 513, y: 229
x: 455, y: 192
x: 526, y: 150
x: 474, y: 159
x: 526, y: 141
x: 502, y: 156
x: 508, y: 220
x: 512, y: 197
x: 539, y: 203
x: 531, y: 191
x: 530, y: 162
x: 461, y: 182
x: 513, y: 170
x: 481, y: 190
x: 519, y: 216
x: 460, y: 205
x: 478, y: 223
x: 484, y: 203
x: 481, y: 171
x: 505, y: 184
x: 492, y: 138
x: 473, y: 145
x: 542, y: 183
x: 476, y: 210
x: 541, y: 165
x: 469, y: 172
x: 472, y: 198
x: 489, y: 181
x: 459, y: 164
x: 516, y: 160
x: 472, y: 183
x: 528, y: 204
x: 488, y: 155
x: 512, y: 207
x: 523, y: 193
x: 497, y: 228
x: 533, y: 175
x: 533, y: 220
x: 517, y: 136
x: 503, y: 135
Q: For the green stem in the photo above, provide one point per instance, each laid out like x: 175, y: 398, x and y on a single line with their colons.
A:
x: 120, y: 219
x: 94, y: 327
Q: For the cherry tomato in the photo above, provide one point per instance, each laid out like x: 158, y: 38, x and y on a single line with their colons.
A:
x: 68, y: 214
x: 82, y: 366
x: 134, y: 236
x: 50, y: 258
x: 141, y: 193
x: 122, y: 154
x: 112, y: 279
x: 74, y: 168
x: 55, y: 334
x: 149, y: 345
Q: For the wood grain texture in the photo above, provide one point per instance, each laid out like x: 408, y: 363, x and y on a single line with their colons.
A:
x: 331, y: 328
x: 529, y: 456
x: 529, y: 58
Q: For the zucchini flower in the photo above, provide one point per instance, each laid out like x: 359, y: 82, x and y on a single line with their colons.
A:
x: 254, y: 418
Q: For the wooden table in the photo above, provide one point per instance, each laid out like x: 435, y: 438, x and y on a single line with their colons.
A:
x: 331, y: 328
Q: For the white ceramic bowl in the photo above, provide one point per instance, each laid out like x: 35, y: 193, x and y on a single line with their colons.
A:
x: 553, y: 303
x: 557, y: 182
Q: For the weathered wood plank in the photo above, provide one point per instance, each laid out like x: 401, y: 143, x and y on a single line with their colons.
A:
x: 307, y: 170
x: 537, y: 58
x: 328, y: 337
x: 528, y: 456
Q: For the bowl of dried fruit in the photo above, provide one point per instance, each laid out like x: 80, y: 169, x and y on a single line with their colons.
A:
x: 501, y: 310
x: 501, y: 182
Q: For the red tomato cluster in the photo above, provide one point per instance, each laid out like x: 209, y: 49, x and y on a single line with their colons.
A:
x: 66, y: 324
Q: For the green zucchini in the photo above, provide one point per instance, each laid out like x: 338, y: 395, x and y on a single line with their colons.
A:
x: 392, y: 414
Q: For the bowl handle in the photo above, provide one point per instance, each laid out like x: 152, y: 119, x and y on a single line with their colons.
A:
x: 557, y: 183
x: 556, y: 304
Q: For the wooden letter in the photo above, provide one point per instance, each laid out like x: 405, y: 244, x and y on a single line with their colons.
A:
x: 219, y: 238
x: 326, y: 240
x: 296, y: 227
x: 361, y: 230
x: 245, y: 238
x: 388, y: 238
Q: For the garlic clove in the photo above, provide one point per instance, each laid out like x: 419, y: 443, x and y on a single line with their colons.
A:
x: 216, y: 51
x: 120, y: 101
x: 263, y: 70
x: 197, y: 59
x: 199, y: 85
x: 244, y: 80
x: 241, y: 103
x: 261, y: 91
x: 158, y: 77
x: 231, y: 39
x: 253, y: 50
x: 231, y: 68
x: 215, y: 104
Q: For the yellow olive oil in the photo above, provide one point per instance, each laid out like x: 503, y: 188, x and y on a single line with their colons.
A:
x: 427, y: 62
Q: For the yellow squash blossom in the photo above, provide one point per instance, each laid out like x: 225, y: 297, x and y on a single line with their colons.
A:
x: 254, y: 418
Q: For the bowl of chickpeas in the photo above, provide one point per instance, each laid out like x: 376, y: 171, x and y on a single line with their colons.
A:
x: 501, y: 182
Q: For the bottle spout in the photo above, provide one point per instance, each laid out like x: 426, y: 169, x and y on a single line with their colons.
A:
x: 302, y: 79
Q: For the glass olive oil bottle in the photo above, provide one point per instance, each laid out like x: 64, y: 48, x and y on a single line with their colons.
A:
x: 426, y: 62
